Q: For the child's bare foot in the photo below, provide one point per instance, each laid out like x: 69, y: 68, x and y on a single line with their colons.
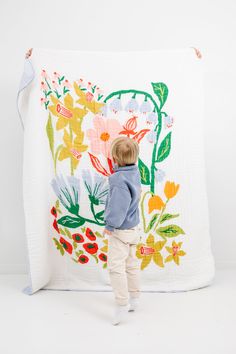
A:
x: 29, y: 53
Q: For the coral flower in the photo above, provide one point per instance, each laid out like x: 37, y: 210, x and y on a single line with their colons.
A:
x: 104, y: 132
x: 66, y: 245
x: 171, y: 189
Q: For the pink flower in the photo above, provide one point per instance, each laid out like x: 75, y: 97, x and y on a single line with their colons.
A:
x: 43, y: 100
x: 67, y: 84
x: 56, y: 75
x: 44, y: 74
x: 43, y: 86
x: 54, y: 84
x: 104, y: 132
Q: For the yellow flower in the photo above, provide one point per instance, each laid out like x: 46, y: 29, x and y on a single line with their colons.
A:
x: 86, y: 100
x: 67, y: 113
x: 105, y: 247
x: 155, y: 202
x: 171, y: 189
x: 150, y: 250
x: 72, y: 149
x: 175, y: 252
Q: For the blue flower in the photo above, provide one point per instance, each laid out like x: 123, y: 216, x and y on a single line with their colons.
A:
x: 159, y: 175
x: 132, y: 105
x: 68, y: 192
x: 96, y: 186
x: 145, y: 107
x: 152, y: 118
x: 115, y: 105
x: 168, y: 121
x: 104, y: 110
x: 152, y: 136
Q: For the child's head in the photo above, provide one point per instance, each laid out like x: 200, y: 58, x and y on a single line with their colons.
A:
x: 124, y: 151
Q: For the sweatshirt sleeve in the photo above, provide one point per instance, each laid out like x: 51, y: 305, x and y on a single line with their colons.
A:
x: 117, y: 205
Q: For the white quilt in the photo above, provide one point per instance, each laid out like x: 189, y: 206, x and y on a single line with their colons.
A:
x: 72, y: 104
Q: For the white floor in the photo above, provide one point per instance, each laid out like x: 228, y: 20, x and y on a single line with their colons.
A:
x: 201, y: 321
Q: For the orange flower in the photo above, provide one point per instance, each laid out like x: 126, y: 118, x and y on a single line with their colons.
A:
x: 171, y: 189
x: 155, y: 202
x: 175, y: 252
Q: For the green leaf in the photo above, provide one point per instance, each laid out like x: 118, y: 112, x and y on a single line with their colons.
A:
x: 95, y: 257
x: 170, y: 231
x: 57, y: 203
x: 161, y: 90
x: 104, y: 265
x: 164, y: 148
x: 75, y: 245
x: 98, y: 234
x: 68, y: 233
x: 144, y: 172
x: 75, y: 260
x: 152, y: 222
x: 71, y: 222
x: 168, y: 217
x: 61, y: 231
x: 100, y: 215
x: 59, y: 246
x: 50, y: 133
x: 79, y: 253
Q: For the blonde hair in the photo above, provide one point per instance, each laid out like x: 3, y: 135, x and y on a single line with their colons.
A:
x: 124, y: 150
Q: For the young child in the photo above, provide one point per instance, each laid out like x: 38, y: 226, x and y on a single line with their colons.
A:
x: 122, y: 219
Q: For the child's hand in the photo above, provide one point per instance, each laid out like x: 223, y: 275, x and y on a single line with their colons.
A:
x: 29, y: 53
x: 106, y: 232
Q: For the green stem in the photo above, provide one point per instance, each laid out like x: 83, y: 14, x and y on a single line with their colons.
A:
x: 154, y: 152
x: 163, y: 209
x: 55, y: 157
x: 71, y: 159
x: 93, y: 211
x: 121, y: 92
x: 142, y: 210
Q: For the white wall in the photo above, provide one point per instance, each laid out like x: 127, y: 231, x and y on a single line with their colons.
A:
x: 123, y: 25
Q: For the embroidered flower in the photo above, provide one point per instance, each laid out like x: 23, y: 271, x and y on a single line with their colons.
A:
x: 152, y: 118
x: 155, y: 203
x: 145, y: 107
x: 152, y: 136
x: 115, y: 105
x: 130, y: 126
x: 104, y: 132
x: 96, y: 186
x: 168, y: 121
x: 67, y: 113
x: 175, y: 252
x: 170, y: 189
x: 66, y: 245
x: 150, y: 251
x: 159, y: 175
x: 132, y: 105
x: 78, y: 238
x: 91, y: 247
x: 68, y: 192
x: 83, y: 259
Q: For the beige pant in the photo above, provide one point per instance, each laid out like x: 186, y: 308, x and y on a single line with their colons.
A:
x: 123, y: 265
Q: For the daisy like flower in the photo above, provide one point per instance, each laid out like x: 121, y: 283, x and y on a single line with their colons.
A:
x: 104, y: 132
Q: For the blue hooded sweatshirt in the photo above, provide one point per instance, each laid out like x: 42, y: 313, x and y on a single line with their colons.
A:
x: 122, y: 204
